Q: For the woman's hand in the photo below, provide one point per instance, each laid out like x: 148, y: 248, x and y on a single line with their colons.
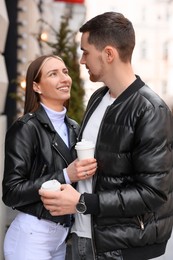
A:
x: 81, y: 170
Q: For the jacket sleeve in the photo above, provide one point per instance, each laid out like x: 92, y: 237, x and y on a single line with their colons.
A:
x: 23, y: 173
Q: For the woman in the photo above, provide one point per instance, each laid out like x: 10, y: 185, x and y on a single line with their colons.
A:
x: 39, y: 146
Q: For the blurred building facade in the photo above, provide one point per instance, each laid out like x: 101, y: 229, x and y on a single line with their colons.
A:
x: 22, y: 33
x: 22, y: 40
x: 153, y: 54
x: 4, y: 23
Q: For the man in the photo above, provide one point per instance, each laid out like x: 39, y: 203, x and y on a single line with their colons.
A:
x: 125, y: 210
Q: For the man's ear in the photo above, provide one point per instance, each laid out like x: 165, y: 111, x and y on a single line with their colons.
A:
x: 36, y: 87
x: 110, y: 53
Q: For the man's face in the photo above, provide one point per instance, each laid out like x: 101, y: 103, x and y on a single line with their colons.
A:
x: 92, y: 59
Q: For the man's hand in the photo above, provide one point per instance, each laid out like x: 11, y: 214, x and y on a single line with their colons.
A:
x: 60, y: 202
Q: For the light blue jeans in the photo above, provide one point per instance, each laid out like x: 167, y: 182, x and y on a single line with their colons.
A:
x: 29, y: 238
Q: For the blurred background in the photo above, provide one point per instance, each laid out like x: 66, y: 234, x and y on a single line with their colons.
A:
x: 31, y: 28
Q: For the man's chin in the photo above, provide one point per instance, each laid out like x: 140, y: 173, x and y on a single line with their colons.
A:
x: 93, y: 79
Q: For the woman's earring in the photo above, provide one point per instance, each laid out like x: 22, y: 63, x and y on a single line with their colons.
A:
x: 35, y: 88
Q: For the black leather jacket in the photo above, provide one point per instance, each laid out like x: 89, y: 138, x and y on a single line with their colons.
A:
x: 134, y: 183
x: 35, y: 153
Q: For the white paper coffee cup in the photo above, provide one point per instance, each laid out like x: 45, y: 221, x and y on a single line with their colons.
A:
x: 85, y: 149
x: 51, y: 185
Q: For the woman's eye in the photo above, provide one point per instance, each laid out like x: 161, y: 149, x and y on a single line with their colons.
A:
x: 53, y: 74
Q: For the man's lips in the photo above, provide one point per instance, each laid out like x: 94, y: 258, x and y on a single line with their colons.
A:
x: 88, y: 70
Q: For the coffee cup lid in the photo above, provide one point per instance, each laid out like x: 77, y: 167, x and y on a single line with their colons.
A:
x: 51, y: 184
x: 84, y: 144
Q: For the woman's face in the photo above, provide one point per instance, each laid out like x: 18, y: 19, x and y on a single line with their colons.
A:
x: 55, y: 84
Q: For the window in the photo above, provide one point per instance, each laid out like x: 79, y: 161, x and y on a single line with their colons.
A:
x: 143, y: 50
x: 165, y: 51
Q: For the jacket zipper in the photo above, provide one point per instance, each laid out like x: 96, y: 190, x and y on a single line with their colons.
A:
x: 94, y: 179
x: 93, y: 185
x: 43, y: 169
x: 55, y: 147
x: 141, y: 223
x: 86, y: 115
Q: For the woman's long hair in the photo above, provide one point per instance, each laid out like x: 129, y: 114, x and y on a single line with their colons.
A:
x: 32, y: 98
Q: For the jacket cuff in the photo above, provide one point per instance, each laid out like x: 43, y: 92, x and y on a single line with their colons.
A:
x: 92, y: 203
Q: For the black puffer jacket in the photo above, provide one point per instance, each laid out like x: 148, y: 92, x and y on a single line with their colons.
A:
x: 35, y: 153
x: 134, y: 181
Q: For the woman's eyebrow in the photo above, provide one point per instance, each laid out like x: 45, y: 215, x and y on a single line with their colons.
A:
x: 53, y: 70
x: 56, y: 70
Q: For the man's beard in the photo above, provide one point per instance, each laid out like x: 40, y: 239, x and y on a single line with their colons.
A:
x: 95, y: 78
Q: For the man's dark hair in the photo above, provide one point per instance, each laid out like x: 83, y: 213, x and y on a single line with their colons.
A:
x: 111, y: 28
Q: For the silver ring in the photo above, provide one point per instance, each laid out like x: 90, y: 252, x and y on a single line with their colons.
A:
x: 85, y: 174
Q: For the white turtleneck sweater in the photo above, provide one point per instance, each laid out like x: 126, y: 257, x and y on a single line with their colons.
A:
x: 57, y: 120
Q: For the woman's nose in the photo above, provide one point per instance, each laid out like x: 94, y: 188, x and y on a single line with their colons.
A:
x: 66, y: 77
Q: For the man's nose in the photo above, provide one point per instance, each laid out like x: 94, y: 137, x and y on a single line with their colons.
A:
x: 82, y: 60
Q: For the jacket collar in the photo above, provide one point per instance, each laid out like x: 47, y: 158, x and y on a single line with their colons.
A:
x: 56, y: 140
x: 134, y: 87
x: 43, y: 118
x: 98, y: 95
